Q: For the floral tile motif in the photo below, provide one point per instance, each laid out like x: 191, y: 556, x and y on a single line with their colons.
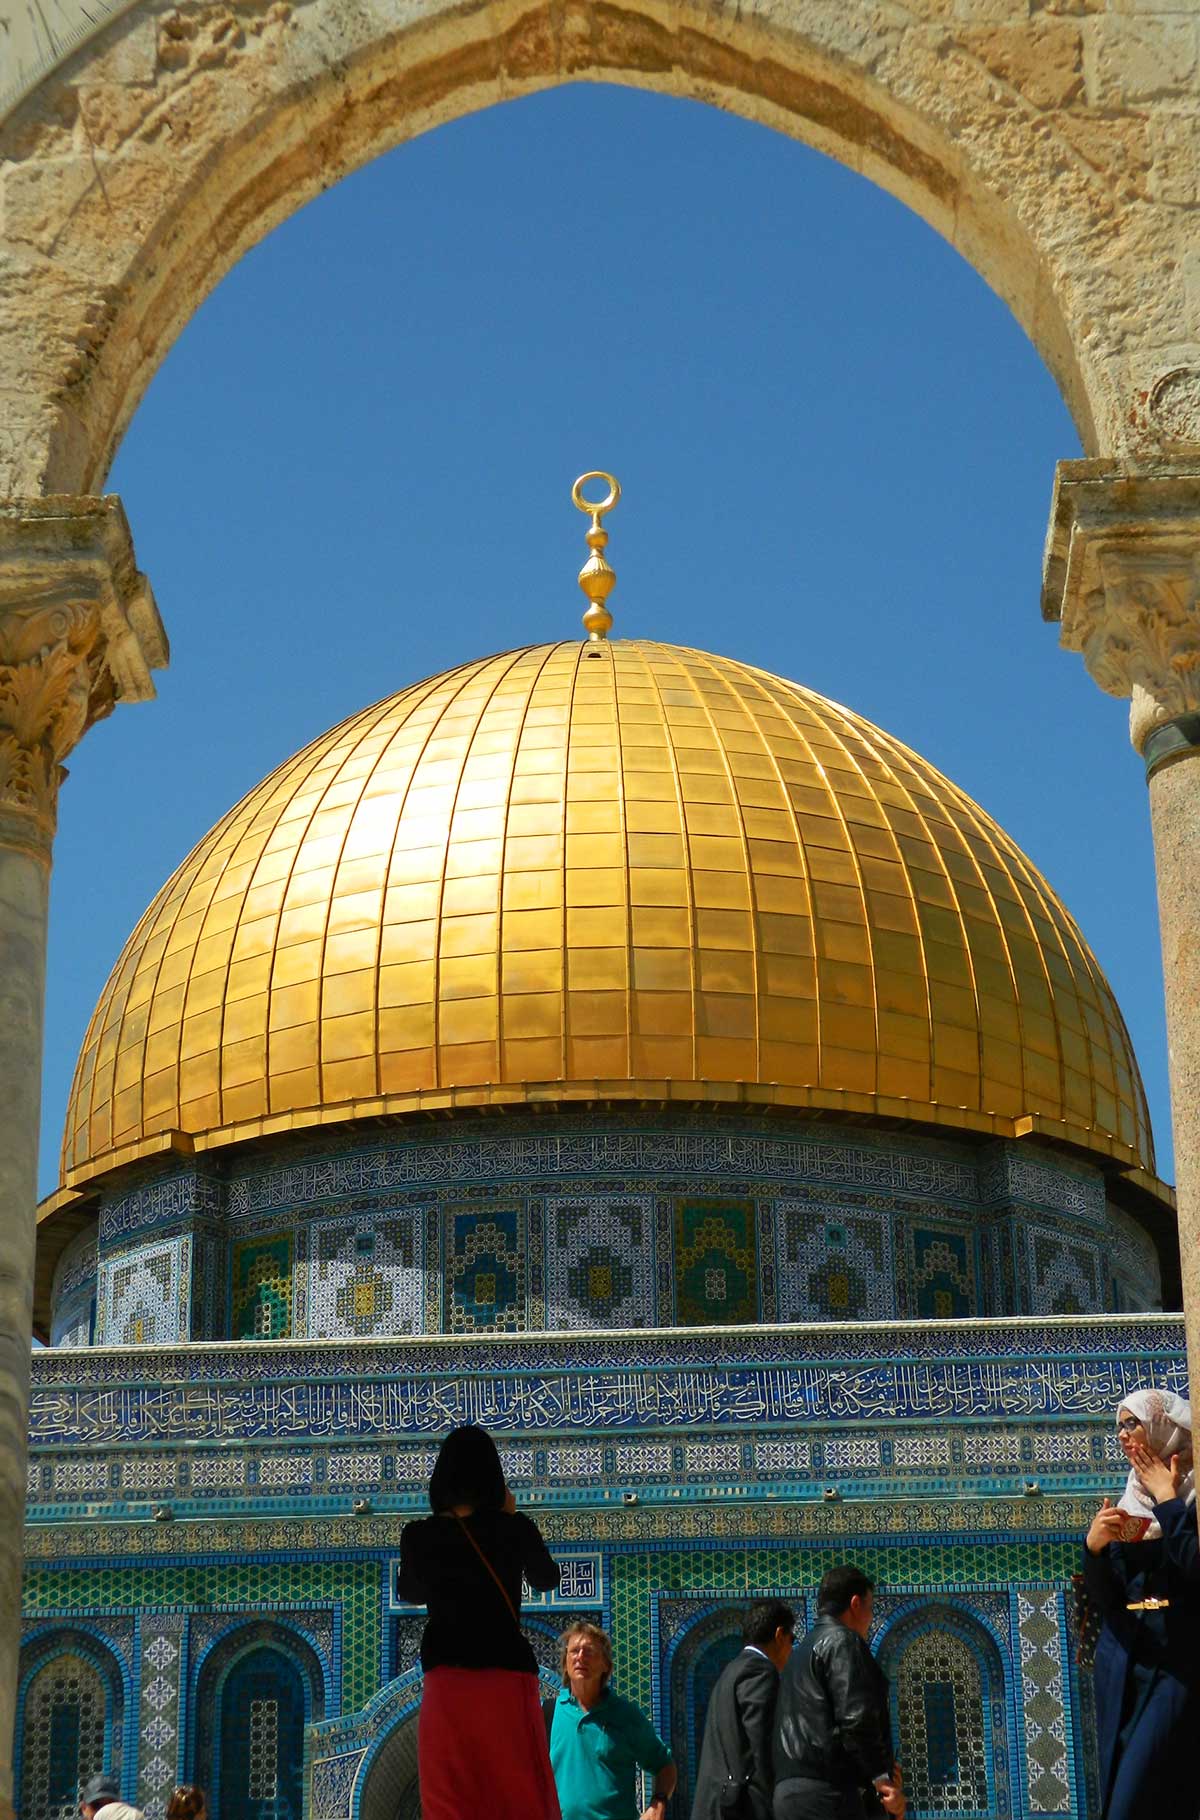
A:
x: 162, y: 1663
x: 1044, y: 1700
x: 262, y: 1288
x: 485, y: 1270
x: 366, y: 1277
x: 600, y: 1270
x: 716, y: 1262
x: 833, y: 1267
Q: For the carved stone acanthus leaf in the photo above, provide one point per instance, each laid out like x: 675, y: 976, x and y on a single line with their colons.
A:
x: 1139, y: 634
x: 52, y: 688
x: 78, y: 631
x: 1123, y: 576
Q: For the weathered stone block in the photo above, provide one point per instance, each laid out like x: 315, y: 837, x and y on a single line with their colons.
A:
x: 1137, y: 59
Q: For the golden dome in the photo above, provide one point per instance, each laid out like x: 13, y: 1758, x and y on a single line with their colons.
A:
x: 603, y: 871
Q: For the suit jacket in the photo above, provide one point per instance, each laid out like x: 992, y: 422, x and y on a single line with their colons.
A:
x: 737, y: 1739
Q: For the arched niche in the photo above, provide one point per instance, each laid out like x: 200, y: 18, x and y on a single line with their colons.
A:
x: 949, y: 1711
x: 256, y: 1690
x: 390, y: 1790
x: 71, y: 1712
x: 145, y: 165
x: 694, y: 1660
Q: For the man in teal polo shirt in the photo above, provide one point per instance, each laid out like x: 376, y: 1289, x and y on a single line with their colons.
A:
x: 599, y: 1740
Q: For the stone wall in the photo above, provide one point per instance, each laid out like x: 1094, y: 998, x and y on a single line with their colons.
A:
x: 1056, y: 144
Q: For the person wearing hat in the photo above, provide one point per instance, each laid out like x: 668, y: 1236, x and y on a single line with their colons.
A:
x: 101, y: 1794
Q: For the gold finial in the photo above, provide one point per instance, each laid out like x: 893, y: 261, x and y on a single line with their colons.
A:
x: 596, y: 578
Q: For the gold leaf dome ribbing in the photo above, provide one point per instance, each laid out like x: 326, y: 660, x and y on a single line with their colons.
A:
x: 607, y: 871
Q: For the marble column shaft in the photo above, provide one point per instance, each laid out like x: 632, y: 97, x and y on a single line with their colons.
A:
x: 79, y: 631
x: 1122, y: 574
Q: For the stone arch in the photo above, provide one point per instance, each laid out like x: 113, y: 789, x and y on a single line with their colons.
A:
x: 257, y: 1689
x: 142, y: 168
x: 949, y: 1710
x: 71, y: 1715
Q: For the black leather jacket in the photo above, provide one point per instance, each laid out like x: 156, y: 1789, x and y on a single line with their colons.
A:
x: 831, y: 1722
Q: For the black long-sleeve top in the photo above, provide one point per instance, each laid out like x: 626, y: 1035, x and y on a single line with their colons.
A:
x: 469, y: 1624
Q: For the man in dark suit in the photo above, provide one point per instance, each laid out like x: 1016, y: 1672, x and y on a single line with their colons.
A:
x: 734, y: 1778
x: 833, y: 1745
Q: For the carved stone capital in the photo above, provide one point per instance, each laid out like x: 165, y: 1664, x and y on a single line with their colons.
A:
x: 79, y: 631
x: 1122, y: 574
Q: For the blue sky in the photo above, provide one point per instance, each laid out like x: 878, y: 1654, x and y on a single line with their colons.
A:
x: 836, y: 444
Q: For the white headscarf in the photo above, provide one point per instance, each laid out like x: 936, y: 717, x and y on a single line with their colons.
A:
x: 1167, y: 1420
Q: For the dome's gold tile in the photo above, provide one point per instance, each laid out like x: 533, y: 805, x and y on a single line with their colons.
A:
x: 578, y: 865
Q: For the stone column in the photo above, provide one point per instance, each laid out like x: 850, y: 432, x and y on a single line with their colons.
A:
x: 1122, y: 575
x: 79, y: 631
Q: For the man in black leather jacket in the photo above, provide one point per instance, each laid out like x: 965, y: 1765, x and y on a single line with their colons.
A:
x: 833, y: 1747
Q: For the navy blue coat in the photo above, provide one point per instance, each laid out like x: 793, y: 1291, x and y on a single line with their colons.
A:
x: 1147, y: 1673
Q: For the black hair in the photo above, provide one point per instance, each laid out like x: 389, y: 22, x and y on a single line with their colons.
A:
x: 764, y: 1618
x: 840, y: 1585
x: 467, y: 1471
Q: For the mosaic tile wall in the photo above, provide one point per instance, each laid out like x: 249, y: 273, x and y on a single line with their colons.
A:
x: 1132, y: 1265
x: 684, y: 1224
x: 676, y: 1474
x: 143, y: 1295
x: 73, y: 1297
x: 983, y: 1616
x: 697, y: 1413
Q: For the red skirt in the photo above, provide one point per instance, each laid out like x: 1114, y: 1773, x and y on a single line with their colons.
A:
x: 481, y: 1747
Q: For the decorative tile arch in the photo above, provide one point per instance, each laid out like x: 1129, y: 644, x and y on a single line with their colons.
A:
x: 949, y: 1689
x: 72, y: 1707
x: 272, y: 1718
x: 708, y: 1636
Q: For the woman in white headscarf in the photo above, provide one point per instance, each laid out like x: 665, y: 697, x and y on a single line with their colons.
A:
x: 1142, y: 1569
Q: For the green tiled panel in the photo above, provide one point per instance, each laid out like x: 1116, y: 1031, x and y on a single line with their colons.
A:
x: 355, y: 1586
x: 747, y: 1571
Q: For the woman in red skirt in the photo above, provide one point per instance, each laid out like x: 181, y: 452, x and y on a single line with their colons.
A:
x: 481, y: 1738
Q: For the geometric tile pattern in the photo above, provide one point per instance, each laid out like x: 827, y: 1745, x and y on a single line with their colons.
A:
x: 1064, y: 1273
x: 262, y: 1288
x: 716, y: 1262
x: 833, y: 1267
x: 258, y: 1775
x: 485, y: 1270
x: 1136, y: 1275
x: 1132, y: 1262
x: 1043, y: 1701
x: 600, y: 1263
x: 943, y: 1274
x: 367, y: 1276
x: 64, y: 1738
x: 139, y: 1301
x: 256, y: 1587
x: 159, y: 1757
x: 852, y: 1227
x: 941, y: 1740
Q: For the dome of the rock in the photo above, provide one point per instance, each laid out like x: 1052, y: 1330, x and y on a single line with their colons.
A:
x: 614, y: 870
